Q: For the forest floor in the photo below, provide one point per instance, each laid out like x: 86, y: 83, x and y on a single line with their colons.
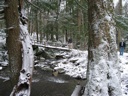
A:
x: 69, y: 66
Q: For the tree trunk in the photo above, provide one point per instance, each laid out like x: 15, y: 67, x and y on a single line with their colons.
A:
x: 120, y: 7
x: 103, y: 77
x: 37, y: 27
x: 21, y: 68
x: 40, y: 25
x: 13, y: 42
x: 57, y: 23
x: 119, y: 31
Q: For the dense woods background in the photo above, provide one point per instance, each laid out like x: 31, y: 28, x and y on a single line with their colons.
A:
x: 54, y: 22
x: 62, y: 19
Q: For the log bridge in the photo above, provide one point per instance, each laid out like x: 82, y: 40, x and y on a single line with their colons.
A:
x: 52, y: 47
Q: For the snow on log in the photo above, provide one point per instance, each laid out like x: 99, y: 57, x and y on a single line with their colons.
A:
x: 53, y: 47
x: 24, y: 85
x: 76, y: 91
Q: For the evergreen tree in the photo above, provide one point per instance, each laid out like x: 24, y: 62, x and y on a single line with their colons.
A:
x: 13, y: 39
x: 103, y: 76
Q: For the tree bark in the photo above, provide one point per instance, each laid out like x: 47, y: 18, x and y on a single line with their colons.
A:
x: 119, y: 31
x: 37, y: 27
x: 103, y: 77
x: 40, y: 25
x: 13, y: 42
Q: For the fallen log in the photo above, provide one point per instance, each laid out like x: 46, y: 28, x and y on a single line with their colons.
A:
x: 52, y: 47
x: 24, y: 84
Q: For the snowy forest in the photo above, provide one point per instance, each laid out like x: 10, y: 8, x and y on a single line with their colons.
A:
x: 63, y: 47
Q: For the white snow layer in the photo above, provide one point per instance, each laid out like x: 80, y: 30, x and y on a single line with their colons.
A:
x: 27, y: 66
x: 77, y: 69
x: 80, y: 70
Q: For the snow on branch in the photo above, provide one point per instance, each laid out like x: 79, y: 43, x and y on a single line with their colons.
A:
x: 1, y: 17
x: 3, y: 5
x: 7, y: 28
x: 34, y: 6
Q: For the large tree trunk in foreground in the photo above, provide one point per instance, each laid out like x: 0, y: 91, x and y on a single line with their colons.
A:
x: 19, y: 49
x: 13, y: 42
x: 23, y: 87
x: 103, y: 77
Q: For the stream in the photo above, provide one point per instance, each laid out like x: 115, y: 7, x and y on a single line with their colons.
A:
x: 43, y: 84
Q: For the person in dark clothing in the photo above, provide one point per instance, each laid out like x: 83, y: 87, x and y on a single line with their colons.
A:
x: 70, y: 45
x: 69, y: 40
x: 122, y: 47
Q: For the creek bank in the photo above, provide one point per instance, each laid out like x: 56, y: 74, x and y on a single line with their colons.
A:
x: 43, y: 83
x: 72, y: 63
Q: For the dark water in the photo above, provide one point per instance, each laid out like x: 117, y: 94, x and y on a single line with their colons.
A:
x: 44, y: 84
x: 49, y: 85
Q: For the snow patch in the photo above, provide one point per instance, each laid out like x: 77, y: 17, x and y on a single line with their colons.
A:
x: 56, y: 80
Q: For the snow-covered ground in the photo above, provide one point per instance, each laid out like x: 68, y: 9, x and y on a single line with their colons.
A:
x: 76, y: 67
x: 123, y: 60
x: 74, y: 64
x: 2, y: 51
